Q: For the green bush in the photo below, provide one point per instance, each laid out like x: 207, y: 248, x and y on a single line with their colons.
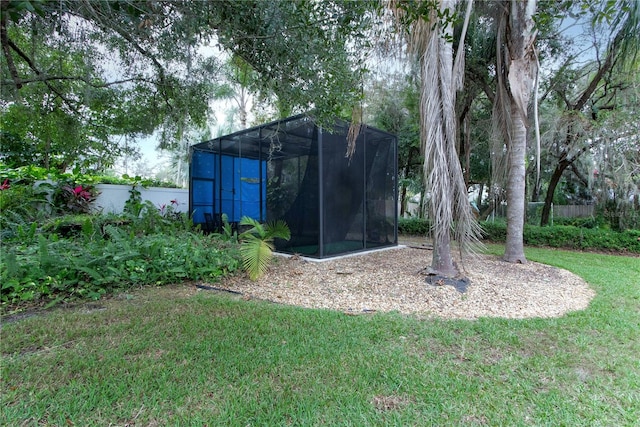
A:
x: 133, y: 180
x: 147, y: 219
x: 585, y: 222
x: 570, y: 237
x: 494, y: 231
x: 84, y: 226
x: 414, y: 226
x: 21, y: 206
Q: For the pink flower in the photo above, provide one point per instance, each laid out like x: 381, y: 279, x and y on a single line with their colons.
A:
x: 81, y: 192
x: 5, y: 185
x: 174, y: 202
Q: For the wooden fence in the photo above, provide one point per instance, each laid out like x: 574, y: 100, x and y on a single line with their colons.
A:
x: 557, y: 211
x: 572, y: 211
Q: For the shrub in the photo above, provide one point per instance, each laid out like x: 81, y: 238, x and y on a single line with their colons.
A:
x: 87, y: 256
x: 494, y: 231
x: 71, y: 197
x: 22, y: 205
x: 31, y: 174
x: 414, y: 226
x: 256, y: 244
x: 583, y: 222
x: 570, y: 237
x: 149, y: 219
x: 133, y: 180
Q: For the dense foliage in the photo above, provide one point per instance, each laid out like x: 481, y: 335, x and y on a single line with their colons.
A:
x: 31, y: 174
x: 54, y: 250
x: 569, y: 237
x: 92, y: 256
x: 98, y: 74
x: 414, y: 226
x: 591, y: 233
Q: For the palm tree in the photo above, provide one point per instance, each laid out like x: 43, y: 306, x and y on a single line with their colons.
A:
x: 256, y: 244
x: 516, y: 69
x: 430, y: 38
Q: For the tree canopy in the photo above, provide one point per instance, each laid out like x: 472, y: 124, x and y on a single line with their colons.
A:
x: 158, y: 64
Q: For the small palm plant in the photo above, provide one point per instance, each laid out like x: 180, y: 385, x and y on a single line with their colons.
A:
x: 256, y: 244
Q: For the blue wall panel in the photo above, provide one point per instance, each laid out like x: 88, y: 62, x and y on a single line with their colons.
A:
x: 203, y: 164
x: 202, y: 199
x: 250, y: 186
x: 228, y: 185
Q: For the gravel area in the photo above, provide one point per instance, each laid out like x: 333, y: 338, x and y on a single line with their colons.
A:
x: 394, y: 280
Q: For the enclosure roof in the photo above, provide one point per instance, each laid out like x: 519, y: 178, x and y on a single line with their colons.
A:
x: 286, y: 138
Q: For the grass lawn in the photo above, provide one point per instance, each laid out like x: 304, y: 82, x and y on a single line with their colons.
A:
x: 166, y: 356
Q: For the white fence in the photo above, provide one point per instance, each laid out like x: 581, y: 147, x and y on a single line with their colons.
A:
x: 112, y: 197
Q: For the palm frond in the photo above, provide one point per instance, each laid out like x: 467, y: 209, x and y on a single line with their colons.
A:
x: 256, y: 247
x: 278, y: 229
x: 257, y: 228
x: 449, y: 207
x: 501, y: 120
x: 256, y: 255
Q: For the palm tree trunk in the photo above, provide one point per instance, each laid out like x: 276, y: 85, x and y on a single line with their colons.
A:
x: 514, y: 249
x: 516, y: 67
x: 437, y: 140
x: 442, y: 169
x: 442, y: 262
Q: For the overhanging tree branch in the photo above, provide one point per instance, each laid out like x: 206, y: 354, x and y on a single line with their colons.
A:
x: 4, y: 39
x: 35, y: 69
x: 602, y: 70
x: 42, y: 78
x: 99, y: 18
x: 579, y: 175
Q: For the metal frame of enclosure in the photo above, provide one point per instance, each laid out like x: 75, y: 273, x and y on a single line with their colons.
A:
x: 296, y: 171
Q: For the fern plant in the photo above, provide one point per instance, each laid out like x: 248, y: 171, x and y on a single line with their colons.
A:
x: 256, y: 244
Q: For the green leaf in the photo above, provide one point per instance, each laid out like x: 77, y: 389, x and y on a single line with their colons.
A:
x: 256, y: 255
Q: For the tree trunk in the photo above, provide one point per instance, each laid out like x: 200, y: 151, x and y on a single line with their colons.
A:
x: 516, y: 65
x: 443, y: 175
x: 466, y: 147
x: 403, y: 201
x: 242, y: 108
x: 562, y: 165
x: 479, y: 200
x: 514, y: 249
x: 47, y: 153
x: 535, y: 193
x: 553, y: 183
x: 403, y: 194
